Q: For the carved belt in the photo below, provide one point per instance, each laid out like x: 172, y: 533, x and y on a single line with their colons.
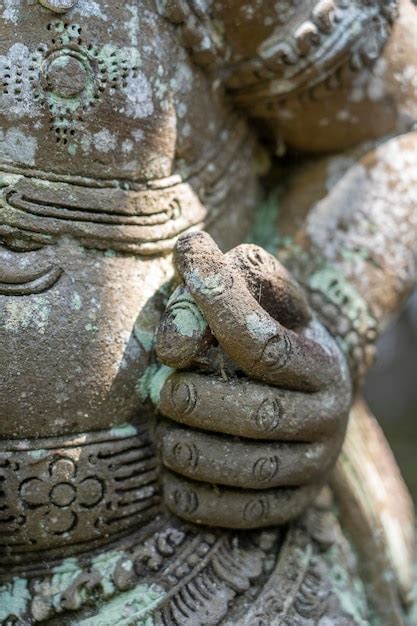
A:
x: 67, y: 495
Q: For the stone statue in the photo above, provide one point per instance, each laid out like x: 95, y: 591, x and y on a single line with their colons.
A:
x: 136, y: 353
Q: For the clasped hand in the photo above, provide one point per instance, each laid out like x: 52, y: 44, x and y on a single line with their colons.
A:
x: 258, y: 405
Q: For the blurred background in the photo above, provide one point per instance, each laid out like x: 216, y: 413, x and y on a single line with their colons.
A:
x: 391, y: 390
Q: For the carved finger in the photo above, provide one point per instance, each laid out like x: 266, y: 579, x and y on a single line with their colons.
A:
x: 271, y: 285
x: 247, y: 409
x: 240, y: 463
x: 183, y: 333
x: 257, y: 343
x: 233, y: 508
x: 183, y: 337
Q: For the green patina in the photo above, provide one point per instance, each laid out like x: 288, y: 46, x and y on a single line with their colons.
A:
x: 91, y: 327
x: 69, y: 576
x: 125, y: 430
x: 260, y: 326
x: 18, y: 315
x: 58, y: 104
x: 49, y: 593
x: 359, y: 254
x: 331, y: 282
x: 144, y: 382
x: 133, y: 25
x: 145, y: 337
x: 158, y: 381
x: 105, y: 564
x: 38, y: 454
x: 14, y: 600
x: 264, y: 230
x: 188, y: 320
x: 151, y: 383
x: 45, y: 184
x: 207, y: 283
x: 76, y: 302
x: 67, y: 32
x: 127, y: 566
x: 127, y: 609
x: 111, y: 57
x: 149, y: 386
x: 65, y: 573
x: 9, y: 179
x: 349, y: 590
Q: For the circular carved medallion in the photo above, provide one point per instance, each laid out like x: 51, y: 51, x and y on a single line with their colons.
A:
x: 66, y: 75
x: 58, y: 6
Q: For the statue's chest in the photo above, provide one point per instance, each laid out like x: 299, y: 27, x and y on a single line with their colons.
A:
x: 98, y: 90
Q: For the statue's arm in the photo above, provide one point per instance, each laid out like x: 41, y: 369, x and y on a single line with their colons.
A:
x: 354, y: 247
x: 351, y: 217
x: 355, y: 250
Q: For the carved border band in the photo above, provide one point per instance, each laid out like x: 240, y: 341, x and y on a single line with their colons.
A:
x: 74, y: 492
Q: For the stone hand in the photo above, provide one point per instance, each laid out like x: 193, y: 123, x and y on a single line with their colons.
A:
x: 258, y: 405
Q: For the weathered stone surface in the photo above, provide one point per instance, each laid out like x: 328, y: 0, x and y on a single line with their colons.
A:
x: 122, y: 127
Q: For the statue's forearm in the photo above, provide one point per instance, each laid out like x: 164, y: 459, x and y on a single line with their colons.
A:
x: 357, y: 250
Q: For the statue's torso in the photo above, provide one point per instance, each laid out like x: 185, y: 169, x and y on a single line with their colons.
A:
x: 103, y: 92
x: 112, y: 142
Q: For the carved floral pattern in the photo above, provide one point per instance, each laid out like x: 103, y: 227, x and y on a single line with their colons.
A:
x: 74, y: 491
x: 59, y: 495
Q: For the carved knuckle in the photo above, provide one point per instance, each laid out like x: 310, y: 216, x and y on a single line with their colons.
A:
x: 186, y: 455
x: 183, y: 397
x: 185, y: 501
x: 265, y: 469
x: 277, y: 352
x: 256, y: 510
x: 268, y: 415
